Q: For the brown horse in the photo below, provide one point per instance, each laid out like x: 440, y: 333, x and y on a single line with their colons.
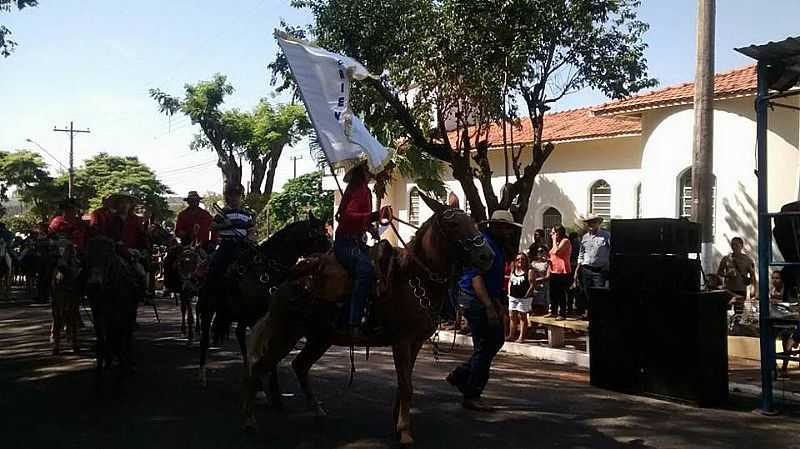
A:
x: 66, y: 297
x: 414, y: 287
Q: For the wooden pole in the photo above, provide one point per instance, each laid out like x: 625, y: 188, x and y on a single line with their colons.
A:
x: 703, y: 145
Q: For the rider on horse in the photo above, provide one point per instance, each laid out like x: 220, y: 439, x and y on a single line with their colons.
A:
x: 355, y: 217
x: 116, y: 220
x: 69, y: 225
x: 191, y: 218
x: 234, y: 226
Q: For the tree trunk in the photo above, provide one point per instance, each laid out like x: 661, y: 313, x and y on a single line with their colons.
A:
x: 270, y: 178
x: 258, y: 169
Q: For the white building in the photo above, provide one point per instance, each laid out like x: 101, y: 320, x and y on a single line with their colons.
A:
x: 631, y: 158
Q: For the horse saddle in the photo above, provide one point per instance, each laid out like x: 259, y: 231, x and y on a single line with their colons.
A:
x: 328, y: 281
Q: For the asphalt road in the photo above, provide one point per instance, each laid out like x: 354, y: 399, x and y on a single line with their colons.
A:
x: 47, y: 401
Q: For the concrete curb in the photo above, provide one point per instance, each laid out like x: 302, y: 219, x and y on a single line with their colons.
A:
x: 581, y: 359
x: 570, y: 356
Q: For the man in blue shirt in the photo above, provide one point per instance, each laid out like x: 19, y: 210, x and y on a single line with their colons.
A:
x: 479, y: 296
x: 593, y: 261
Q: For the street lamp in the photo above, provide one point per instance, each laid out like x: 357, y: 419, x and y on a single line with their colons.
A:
x: 47, y: 153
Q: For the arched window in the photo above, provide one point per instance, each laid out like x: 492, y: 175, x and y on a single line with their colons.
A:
x: 413, y: 207
x: 685, y: 197
x: 551, y: 217
x: 637, y: 198
x: 600, y: 199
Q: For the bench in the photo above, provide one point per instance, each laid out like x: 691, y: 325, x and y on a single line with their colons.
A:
x: 555, y: 329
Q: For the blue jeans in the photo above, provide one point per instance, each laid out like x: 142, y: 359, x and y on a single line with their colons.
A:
x: 353, y: 255
x: 472, y: 376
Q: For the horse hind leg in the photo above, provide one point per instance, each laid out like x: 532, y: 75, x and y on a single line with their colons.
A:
x: 313, y: 350
x: 205, y: 331
x: 189, y: 322
x: 183, y: 313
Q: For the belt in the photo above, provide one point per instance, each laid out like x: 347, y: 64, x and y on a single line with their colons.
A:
x: 594, y: 269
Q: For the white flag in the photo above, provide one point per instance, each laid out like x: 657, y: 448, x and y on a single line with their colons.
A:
x: 324, y: 81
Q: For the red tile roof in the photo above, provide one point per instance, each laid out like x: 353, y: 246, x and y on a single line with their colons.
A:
x: 576, y: 124
x: 735, y: 83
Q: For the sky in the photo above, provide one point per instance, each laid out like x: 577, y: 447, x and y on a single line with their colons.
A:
x: 92, y: 62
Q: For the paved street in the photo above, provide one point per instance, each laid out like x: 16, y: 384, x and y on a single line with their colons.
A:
x: 47, y: 402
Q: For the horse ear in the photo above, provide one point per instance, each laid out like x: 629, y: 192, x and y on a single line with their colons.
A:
x: 434, y: 205
x: 311, y: 216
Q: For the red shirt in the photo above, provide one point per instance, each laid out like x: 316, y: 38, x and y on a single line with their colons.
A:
x: 100, y: 221
x: 559, y: 258
x: 187, y: 218
x: 355, y: 210
x: 71, y: 227
x: 134, y: 235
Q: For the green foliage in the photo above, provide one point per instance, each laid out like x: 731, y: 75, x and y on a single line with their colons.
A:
x: 6, y: 44
x: 463, y: 60
x: 259, y: 135
x: 26, y: 172
x: 210, y: 199
x: 104, y: 174
x: 22, y: 223
x: 422, y: 168
x: 300, y: 195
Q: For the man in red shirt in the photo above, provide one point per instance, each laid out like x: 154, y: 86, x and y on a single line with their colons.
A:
x: 100, y: 218
x: 191, y: 218
x: 355, y: 217
x: 69, y: 225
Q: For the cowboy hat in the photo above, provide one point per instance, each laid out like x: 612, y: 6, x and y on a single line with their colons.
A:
x: 502, y: 217
x: 588, y: 218
x: 193, y: 195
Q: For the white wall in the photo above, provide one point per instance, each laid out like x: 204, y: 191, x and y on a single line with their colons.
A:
x: 667, y: 152
x: 656, y: 160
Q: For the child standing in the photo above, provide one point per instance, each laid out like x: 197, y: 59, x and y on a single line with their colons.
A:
x: 519, y: 297
x: 540, y: 274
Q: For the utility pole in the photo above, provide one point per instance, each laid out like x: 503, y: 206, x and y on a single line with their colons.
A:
x: 294, y: 165
x: 71, y: 132
x: 703, y: 145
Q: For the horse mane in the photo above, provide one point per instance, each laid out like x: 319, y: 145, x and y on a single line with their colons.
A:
x: 280, y: 236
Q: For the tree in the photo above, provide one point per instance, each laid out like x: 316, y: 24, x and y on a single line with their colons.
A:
x: 300, y: 195
x: 460, y: 62
x: 7, y: 45
x: 104, y: 174
x: 258, y: 137
x: 26, y: 172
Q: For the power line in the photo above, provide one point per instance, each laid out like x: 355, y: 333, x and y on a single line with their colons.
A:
x: 188, y: 167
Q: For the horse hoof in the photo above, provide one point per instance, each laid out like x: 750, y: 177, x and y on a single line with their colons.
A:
x: 320, y: 411
x: 406, y: 440
x: 250, y: 424
x: 203, y: 379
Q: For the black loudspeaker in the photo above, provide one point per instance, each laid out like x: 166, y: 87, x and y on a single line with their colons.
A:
x: 655, y: 236
x: 655, y: 272
x: 614, y: 354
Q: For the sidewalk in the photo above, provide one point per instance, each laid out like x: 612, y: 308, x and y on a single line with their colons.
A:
x: 744, y: 374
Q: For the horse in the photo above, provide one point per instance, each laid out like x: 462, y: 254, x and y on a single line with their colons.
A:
x: 246, y: 290
x: 412, y: 292
x: 113, y: 291
x: 66, y: 295
x: 186, y: 266
x: 36, y: 263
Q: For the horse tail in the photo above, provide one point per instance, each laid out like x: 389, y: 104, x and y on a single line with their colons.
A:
x: 221, y: 326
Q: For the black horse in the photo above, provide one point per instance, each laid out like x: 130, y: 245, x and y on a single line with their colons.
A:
x: 113, y: 292
x: 245, y: 294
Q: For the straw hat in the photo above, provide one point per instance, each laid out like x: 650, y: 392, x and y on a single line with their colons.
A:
x: 502, y: 217
x: 588, y: 218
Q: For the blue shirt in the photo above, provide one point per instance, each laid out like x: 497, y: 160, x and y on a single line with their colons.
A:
x: 494, y: 278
